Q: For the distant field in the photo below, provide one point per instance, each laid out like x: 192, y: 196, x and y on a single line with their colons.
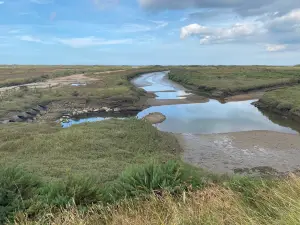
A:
x: 16, y: 75
x: 222, y: 81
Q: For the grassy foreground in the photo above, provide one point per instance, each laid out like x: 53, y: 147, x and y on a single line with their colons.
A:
x: 125, y: 172
x: 222, y: 81
x: 252, y: 203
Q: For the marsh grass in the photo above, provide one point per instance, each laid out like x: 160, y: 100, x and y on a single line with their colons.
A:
x: 102, y: 149
x: 285, y: 100
x: 233, y: 79
x: 109, y: 85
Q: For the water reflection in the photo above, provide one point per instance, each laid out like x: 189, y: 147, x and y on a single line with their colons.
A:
x: 161, y: 86
x: 214, y: 117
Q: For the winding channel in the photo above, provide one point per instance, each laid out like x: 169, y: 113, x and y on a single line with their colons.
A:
x: 225, y: 138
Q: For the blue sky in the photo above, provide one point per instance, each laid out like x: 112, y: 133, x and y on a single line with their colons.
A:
x: 139, y: 32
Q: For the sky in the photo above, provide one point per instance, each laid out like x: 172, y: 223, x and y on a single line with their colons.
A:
x: 150, y: 32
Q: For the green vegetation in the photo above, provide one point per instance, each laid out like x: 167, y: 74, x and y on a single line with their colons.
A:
x: 101, y: 150
x: 106, y: 86
x: 222, y: 81
x: 285, y: 101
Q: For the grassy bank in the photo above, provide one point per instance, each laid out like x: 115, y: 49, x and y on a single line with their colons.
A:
x: 108, y: 88
x: 222, y: 81
x: 284, y: 101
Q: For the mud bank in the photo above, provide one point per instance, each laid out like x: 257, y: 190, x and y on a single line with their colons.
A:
x: 251, y: 151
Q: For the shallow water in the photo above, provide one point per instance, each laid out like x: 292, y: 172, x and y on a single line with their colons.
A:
x: 84, y: 120
x: 161, y: 86
x: 214, y: 117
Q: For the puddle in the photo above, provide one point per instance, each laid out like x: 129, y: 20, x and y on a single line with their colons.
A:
x: 95, y: 117
x: 84, y: 120
x: 214, y: 117
x: 78, y: 84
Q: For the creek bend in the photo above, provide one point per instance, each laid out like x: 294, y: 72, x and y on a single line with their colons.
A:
x: 207, y: 116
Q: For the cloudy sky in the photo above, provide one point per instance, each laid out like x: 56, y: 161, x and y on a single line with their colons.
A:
x: 139, y: 32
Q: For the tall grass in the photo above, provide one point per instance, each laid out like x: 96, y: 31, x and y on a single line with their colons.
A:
x: 212, y: 205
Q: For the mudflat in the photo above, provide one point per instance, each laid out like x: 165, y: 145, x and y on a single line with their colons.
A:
x: 235, y: 151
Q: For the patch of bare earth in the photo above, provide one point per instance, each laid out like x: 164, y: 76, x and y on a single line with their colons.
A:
x: 60, y: 81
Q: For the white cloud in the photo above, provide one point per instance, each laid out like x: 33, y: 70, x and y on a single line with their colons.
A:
x: 210, y: 35
x: 193, y: 29
x: 30, y: 39
x: 275, y: 48
x: 282, y: 29
x: 91, y: 41
x: 287, y: 22
x: 1, y: 2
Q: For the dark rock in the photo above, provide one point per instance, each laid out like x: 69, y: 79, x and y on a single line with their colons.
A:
x: 16, y: 119
x: 36, y: 110
x: 22, y: 117
x: 32, y: 113
x: 43, y: 107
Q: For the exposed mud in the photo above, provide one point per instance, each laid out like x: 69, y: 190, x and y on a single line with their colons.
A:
x: 243, y: 97
x: 242, y: 151
x: 155, y: 117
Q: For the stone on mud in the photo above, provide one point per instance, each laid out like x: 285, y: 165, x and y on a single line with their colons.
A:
x: 155, y: 117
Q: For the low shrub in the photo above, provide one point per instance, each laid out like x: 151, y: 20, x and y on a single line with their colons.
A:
x: 140, y: 181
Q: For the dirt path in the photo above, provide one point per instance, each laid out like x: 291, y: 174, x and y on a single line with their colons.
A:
x: 225, y: 153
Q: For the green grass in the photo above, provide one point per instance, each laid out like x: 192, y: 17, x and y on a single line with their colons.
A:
x: 108, y: 85
x: 101, y: 150
x: 221, y: 81
x: 285, y: 100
